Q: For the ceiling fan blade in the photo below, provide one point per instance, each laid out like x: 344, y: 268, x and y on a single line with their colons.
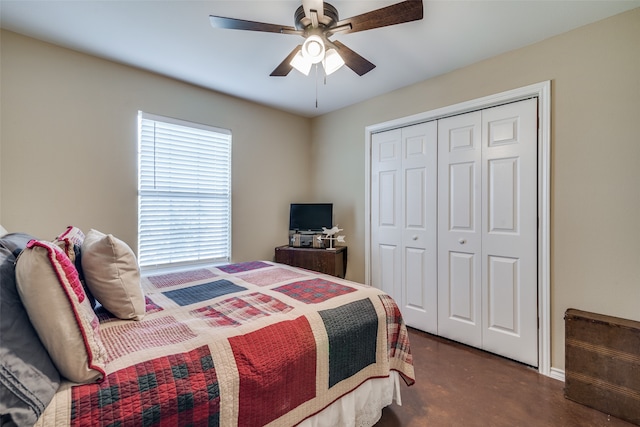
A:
x: 241, y: 24
x: 352, y: 60
x: 285, y: 66
x: 406, y: 11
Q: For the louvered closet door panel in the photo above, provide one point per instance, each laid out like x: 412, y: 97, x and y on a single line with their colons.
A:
x: 419, y: 303
x: 386, y: 217
x: 509, y: 250
x: 459, y: 228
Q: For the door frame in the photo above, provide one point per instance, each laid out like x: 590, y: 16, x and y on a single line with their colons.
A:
x: 542, y: 91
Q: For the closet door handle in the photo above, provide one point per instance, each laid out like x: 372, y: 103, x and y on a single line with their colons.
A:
x: 415, y: 237
x: 462, y: 241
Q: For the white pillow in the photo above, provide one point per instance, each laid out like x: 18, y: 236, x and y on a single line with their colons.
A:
x: 112, y: 275
x: 60, y: 311
x: 3, y: 231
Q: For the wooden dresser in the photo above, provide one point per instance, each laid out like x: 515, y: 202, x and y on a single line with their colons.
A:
x: 333, y: 262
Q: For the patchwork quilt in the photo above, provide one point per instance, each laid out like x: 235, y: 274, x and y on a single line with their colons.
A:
x: 248, y: 344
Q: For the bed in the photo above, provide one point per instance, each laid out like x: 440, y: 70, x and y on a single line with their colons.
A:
x: 246, y: 344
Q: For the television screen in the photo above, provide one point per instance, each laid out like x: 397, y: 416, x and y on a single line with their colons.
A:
x: 310, y: 216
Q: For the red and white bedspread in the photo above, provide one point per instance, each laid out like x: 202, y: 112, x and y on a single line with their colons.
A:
x: 246, y: 344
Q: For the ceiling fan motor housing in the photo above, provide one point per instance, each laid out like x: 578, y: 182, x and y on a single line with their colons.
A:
x: 330, y: 18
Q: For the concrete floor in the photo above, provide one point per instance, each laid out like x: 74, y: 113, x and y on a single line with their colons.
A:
x: 457, y: 385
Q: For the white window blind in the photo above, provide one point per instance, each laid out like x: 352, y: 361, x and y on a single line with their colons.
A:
x: 184, y: 187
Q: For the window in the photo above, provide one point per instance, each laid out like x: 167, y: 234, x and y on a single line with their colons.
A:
x: 184, y: 192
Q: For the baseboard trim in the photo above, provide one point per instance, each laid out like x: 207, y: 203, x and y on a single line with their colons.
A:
x: 557, y: 374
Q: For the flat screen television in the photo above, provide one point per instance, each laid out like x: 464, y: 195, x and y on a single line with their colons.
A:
x: 310, y: 217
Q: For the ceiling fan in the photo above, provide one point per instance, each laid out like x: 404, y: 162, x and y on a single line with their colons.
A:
x: 316, y: 21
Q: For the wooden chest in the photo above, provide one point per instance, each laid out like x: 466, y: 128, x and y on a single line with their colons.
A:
x: 602, y: 363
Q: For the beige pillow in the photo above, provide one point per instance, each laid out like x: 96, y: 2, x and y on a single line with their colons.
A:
x: 60, y: 312
x: 112, y: 275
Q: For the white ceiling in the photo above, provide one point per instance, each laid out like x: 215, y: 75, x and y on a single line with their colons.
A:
x: 174, y: 38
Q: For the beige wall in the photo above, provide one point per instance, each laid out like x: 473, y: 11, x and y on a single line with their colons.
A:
x: 69, y: 146
x: 595, y: 232
x: 68, y: 150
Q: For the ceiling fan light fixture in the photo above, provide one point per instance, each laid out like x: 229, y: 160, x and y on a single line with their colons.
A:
x: 313, y: 49
x: 300, y: 63
x: 332, y: 61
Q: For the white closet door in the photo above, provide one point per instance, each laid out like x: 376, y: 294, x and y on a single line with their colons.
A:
x: 459, y: 229
x: 386, y: 212
x: 404, y: 232
x: 419, y: 226
x: 509, y: 231
x: 480, y: 286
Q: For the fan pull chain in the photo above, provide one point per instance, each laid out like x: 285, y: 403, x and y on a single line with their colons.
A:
x: 316, y: 65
